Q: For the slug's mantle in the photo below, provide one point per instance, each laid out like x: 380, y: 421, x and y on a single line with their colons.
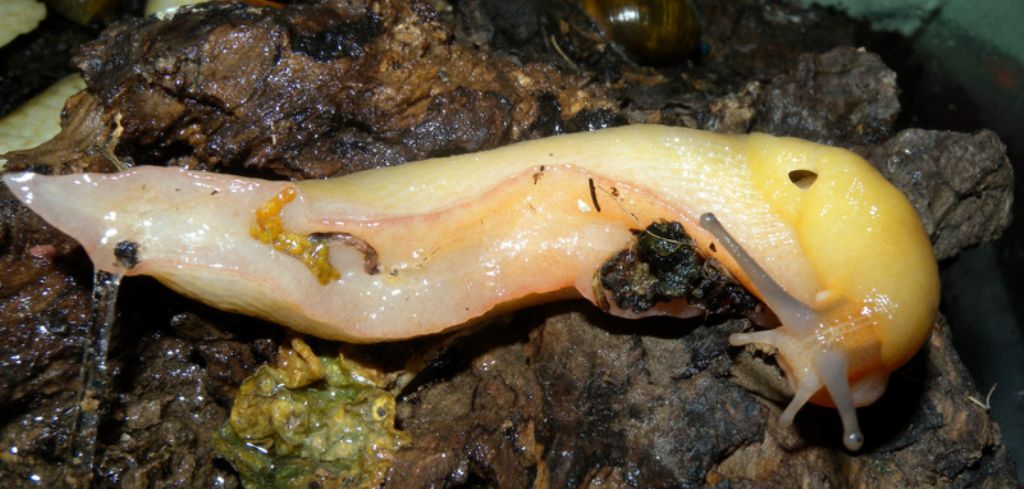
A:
x: 832, y: 248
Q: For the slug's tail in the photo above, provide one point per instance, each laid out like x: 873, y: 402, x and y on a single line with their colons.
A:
x: 69, y: 202
x: 143, y: 209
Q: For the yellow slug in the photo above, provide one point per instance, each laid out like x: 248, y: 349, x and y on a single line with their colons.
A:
x: 834, y: 250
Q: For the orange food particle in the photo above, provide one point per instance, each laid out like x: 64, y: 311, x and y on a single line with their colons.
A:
x: 269, y: 228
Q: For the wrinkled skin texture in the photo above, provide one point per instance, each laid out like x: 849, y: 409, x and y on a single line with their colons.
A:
x: 558, y: 395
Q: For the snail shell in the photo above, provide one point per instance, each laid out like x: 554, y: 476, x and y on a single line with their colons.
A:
x: 652, y: 32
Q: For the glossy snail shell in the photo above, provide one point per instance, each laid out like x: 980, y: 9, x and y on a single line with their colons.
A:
x: 653, y: 32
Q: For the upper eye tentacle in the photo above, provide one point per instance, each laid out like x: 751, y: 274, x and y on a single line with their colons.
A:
x: 789, y: 309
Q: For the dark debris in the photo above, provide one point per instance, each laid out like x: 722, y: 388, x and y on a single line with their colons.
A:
x: 665, y: 265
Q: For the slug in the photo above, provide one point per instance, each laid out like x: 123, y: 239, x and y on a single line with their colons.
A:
x: 832, y: 248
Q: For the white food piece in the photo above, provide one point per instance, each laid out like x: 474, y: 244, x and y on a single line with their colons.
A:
x: 161, y: 6
x: 37, y: 120
x: 19, y: 17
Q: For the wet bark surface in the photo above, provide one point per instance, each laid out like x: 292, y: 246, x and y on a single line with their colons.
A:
x: 314, y: 91
x: 553, y: 396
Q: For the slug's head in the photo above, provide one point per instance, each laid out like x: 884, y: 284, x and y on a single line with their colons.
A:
x: 874, y: 263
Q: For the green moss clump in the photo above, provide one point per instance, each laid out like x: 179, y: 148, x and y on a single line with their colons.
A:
x: 311, y: 422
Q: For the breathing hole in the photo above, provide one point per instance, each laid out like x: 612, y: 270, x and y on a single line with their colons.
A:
x: 803, y: 178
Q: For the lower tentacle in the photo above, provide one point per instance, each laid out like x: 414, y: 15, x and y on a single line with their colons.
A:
x: 803, y: 393
x: 832, y: 369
